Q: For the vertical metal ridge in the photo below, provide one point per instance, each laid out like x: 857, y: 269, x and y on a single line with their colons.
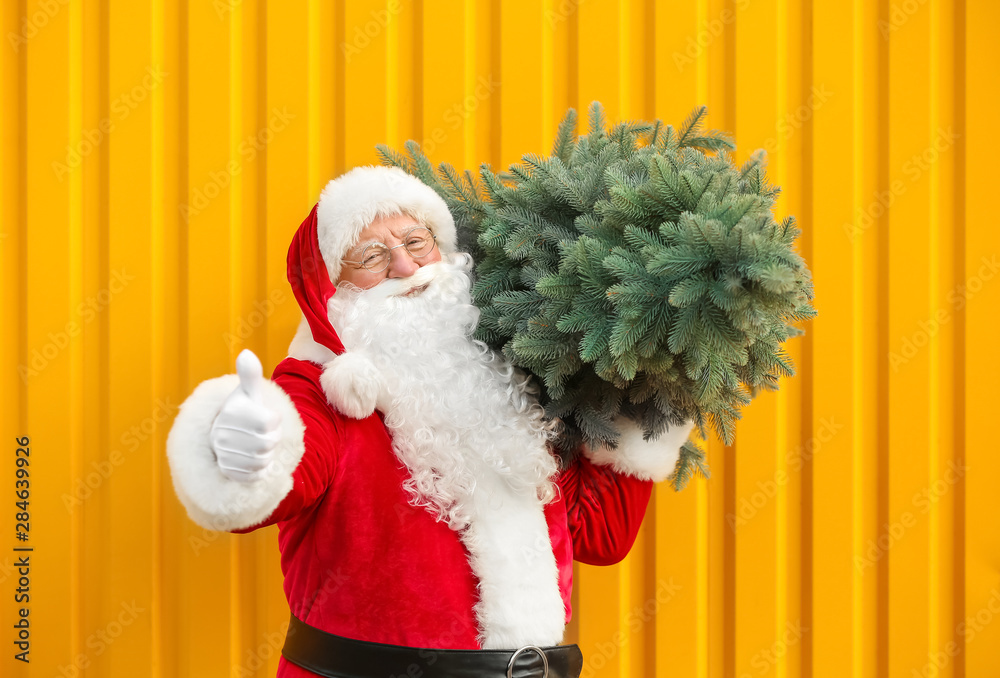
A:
x: 183, y: 659
x: 649, y: 40
x: 548, y: 70
x: 234, y: 120
x: 573, y: 60
x: 76, y: 256
x: 625, y: 585
x: 781, y: 527
x: 958, y: 357
x: 808, y: 429
x: 934, y: 347
x: 235, y: 582
x: 416, y: 65
x: 573, y: 628
x: 253, y: 230
x: 392, y: 79
x: 496, y: 67
x: 339, y: 133
x: 104, y: 273
x: 234, y: 124
x: 624, y: 81
x: 182, y: 358
x: 782, y: 403
x: 315, y: 85
x: 729, y: 454
x: 702, y: 633
x: 857, y: 342
x: 159, y: 324
x: 469, y: 19
x: 261, y: 105
x: 183, y: 310
x: 647, y: 592
x: 729, y: 564
x: 22, y: 225
x: 702, y: 60
x: 729, y: 72
x: 882, y: 345
x: 705, y: 622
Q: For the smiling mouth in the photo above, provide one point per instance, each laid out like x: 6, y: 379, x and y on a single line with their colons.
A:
x: 414, y: 291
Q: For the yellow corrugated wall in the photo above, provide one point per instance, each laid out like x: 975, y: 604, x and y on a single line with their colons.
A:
x: 157, y: 157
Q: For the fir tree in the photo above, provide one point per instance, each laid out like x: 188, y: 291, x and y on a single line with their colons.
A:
x: 635, y: 272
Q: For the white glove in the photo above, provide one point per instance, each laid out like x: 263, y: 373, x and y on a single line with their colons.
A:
x: 245, y: 433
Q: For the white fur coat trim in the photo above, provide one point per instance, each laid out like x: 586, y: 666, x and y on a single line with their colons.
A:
x: 304, y: 347
x: 351, y: 383
x: 510, y: 552
x: 353, y: 200
x: 648, y: 460
x: 212, y: 500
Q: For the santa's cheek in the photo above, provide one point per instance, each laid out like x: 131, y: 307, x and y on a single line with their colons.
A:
x: 360, y: 278
x: 371, y: 280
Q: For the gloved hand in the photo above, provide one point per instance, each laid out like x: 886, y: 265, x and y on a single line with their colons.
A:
x: 245, y: 433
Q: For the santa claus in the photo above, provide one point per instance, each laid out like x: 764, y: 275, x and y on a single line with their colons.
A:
x: 425, y: 525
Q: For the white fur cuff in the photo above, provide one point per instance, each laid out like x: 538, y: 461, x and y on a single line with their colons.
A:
x: 648, y: 460
x: 212, y: 500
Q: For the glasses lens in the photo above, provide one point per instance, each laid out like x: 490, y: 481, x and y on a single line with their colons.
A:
x: 419, y: 242
x: 375, y: 257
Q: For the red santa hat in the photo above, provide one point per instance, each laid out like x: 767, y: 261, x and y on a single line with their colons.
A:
x: 355, y: 199
x: 346, y: 206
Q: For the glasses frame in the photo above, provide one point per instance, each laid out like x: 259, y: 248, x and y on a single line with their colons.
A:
x: 388, y: 259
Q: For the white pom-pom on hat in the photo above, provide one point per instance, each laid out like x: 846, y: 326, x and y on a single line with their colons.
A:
x: 352, y: 384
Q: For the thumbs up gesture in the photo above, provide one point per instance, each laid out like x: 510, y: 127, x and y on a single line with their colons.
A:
x: 245, y: 432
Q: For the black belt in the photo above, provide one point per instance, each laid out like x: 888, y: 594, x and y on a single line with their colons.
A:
x: 338, y: 657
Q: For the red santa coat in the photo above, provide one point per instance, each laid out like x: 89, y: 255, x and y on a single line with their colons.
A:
x: 359, y: 561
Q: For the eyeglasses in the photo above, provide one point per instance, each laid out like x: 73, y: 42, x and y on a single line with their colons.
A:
x: 375, y: 257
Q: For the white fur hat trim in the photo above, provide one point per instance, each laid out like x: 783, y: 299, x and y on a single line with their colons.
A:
x: 355, y: 199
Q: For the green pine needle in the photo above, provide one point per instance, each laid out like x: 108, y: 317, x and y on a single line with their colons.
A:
x: 636, y: 271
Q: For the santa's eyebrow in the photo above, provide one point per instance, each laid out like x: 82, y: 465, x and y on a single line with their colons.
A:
x: 362, y: 245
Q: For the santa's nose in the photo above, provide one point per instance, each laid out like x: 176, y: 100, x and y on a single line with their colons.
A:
x: 402, y: 265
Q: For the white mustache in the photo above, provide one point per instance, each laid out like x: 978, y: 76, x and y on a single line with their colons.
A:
x: 397, y: 287
x: 422, y: 277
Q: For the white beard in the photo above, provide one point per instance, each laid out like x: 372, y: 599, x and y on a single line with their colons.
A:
x: 472, y: 437
x: 457, y: 411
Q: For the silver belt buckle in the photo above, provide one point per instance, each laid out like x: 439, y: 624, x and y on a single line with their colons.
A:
x: 526, y: 648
